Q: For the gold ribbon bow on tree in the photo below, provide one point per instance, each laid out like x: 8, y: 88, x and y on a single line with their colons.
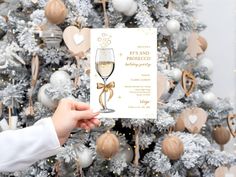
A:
x: 106, y: 88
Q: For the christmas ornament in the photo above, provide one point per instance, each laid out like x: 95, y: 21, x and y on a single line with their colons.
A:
x: 225, y: 171
x: 137, y: 146
x: 122, y: 5
x: 221, y: 135
x: 77, y: 40
x: 34, y: 70
x: 45, y: 99
x: 209, y: 98
x: 175, y: 74
x: 203, y: 43
x: 232, y: 124
x: 172, y: 147
x: 127, y: 153
x: 179, y: 125
x: 52, y: 35
x: 173, y: 26
x: 194, y: 119
x: 181, y: 41
x: 107, y: 145
x: 163, y: 86
x: 132, y: 10
x: 194, y: 47
x: 55, y: 11
x: 188, y: 82
x: 84, y: 157
x: 60, y: 79
x: 206, y: 63
x: 34, y: 78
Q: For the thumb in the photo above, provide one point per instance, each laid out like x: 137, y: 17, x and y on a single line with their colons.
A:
x: 87, y: 114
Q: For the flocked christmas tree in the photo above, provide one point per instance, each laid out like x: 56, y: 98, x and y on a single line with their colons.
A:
x: 39, y: 66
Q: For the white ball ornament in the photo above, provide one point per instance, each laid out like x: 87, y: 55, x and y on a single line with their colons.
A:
x: 122, y: 5
x: 132, y: 10
x: 45, y: 99
x: 85, y: 157
x: 127, y: 153
x: 207, y: 63
x: 60, y: 78
x: 209, y: 98
x: 173, y: 26
x: 175, y: 74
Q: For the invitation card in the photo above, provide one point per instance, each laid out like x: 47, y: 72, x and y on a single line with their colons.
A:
x: 123, y: 78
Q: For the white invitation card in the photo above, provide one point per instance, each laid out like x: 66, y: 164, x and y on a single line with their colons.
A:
x: 123, y: 78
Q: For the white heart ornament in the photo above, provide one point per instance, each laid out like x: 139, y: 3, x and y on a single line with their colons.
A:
x: 78, y: 39
x: 192, y: 119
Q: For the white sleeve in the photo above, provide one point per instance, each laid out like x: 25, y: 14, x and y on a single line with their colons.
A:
x: 21, y: 148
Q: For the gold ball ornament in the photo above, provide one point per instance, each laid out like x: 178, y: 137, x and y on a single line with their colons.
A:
x: 221, y: 135
x: 179, y: 125
x: 172, y: 147
x: 203, y: 43
x: 107, y: 145
x: 55, y: 11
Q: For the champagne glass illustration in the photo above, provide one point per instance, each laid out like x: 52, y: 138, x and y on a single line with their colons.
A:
x: 105, y: 64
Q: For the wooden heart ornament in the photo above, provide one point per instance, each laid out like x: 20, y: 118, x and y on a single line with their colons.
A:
x: 232, y: 124
x: 188, y: 82
x: 194, y: 45
x: 194, y: 119
x: 225, y: 171
x: 77, y: 40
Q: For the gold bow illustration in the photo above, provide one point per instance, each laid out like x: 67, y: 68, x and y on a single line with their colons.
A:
x: 106, y: 88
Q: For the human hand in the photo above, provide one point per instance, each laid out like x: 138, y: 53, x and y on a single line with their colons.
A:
x: 71, y: 114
